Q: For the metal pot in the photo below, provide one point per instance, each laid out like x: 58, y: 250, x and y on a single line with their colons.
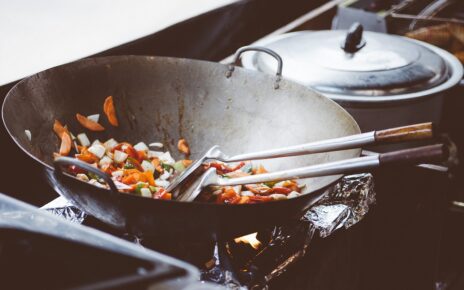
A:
x: 382, y: 80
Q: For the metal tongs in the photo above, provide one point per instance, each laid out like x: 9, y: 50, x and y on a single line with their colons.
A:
x: 186, y: 189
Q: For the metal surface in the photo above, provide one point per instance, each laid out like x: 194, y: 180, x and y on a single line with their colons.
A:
x: 402, y: 70
x: 165, y: 99
x: 18, y: 216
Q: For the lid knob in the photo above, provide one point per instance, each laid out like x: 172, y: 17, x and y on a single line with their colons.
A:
x: 354, y: 40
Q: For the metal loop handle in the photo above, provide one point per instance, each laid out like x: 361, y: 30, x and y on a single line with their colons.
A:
x: 260, y: 49
x: 63, y: 161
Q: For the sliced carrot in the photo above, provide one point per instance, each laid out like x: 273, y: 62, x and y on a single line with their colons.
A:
x: 87, y: 157
x: 59, y: 128
x: 150, y: 178
x: 183, y: 147
x: 66, y: 144
x: 89, y: 124
x: 110, y: 111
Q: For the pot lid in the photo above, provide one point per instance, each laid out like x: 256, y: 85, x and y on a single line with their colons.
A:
x: 353, y: 63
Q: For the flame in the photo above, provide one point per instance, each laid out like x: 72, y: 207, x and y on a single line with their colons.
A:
x: 249, y: 239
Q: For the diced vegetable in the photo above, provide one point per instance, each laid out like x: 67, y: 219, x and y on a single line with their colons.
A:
x: 94, y: 117
x: 156, y: 145
x: 153, y: 154
x: 179, y: 166
x: 278, y: 196
x: 166, y: 158
x: 110, y: 111
x: 162, y: 183
x: 110, y: 144
x: 147, y: 166
x: 97, y: 150
x: 165, y: 175
x: 293, y: 194
x: 145, y: 192
x: 105, y: 161
x: 83, y: 139
x: 89, y: 124
x: 141, y: 147
x: 28, y: 135
x: 119, y: 156
x: 82, y: 177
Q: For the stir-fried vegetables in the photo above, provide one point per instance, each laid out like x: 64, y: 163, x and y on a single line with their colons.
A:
x: 139, y: 170
x: 250, y: 193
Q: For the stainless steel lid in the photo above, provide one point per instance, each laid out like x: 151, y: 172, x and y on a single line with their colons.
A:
x: 365, y: 64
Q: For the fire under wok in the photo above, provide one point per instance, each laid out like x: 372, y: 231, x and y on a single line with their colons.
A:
x: 162, y: 99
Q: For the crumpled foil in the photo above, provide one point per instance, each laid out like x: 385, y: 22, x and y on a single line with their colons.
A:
x: 239, y: 266
x: 63, y: 208
x: 344, y: 206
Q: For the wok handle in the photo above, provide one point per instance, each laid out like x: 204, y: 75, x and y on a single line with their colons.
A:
x: 400, y: 134
x: 67, y: 161
x: 429, y: 153
x: 406, y: 133
x: 260, y: 49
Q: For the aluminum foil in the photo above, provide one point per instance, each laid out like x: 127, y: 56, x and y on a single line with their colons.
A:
x: 344, y: 206
x: 239, y: 266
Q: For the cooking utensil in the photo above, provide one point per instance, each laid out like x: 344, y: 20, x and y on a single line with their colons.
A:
x: 429, y: 153
x: 400, y: 134
x: 165, y: 99
x: 371, y: 80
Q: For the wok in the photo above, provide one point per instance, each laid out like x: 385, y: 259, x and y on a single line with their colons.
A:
x: 164, y: 99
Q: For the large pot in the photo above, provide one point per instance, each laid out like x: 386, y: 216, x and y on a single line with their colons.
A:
x: 382, y: 80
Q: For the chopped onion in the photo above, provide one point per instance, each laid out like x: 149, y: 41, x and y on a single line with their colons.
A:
x: 110, y: 144
x: 278, y: 196
x: 105, y: 161
x: 145, y: 192
x: 28, y: 135
x: 96, y: 183
x: 247, y: 193
x: 120, y: 185
x: 293, y: 194
x: 156, y: 144
x: 83, y: 139
x: 165, y: 175
x: 153, y: 154
x: 147, y: 166
x: 97, y: 150
x: 94, y: 117
x: 82, y: 177
x: 237, y: 189
x: 117, y: 174
x: 97, y: 142
x: 162, y: 183
x: 120, y: 156
x: 167, y: 158
x: 141, y: 147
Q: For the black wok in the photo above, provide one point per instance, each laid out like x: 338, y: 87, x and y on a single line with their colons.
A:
x: 164, y: 99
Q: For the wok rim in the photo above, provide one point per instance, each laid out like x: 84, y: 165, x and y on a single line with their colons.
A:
x: 90, y: 59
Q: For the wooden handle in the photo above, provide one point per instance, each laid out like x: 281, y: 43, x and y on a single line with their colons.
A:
x: 406, y: 133
x: 431, y: 153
